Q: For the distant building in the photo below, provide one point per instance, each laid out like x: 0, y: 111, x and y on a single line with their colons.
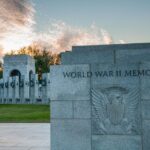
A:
x: 20, y: 82
x: 18, y: 65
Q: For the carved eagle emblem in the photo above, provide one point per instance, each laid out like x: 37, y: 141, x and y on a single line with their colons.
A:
x: 114, y: 110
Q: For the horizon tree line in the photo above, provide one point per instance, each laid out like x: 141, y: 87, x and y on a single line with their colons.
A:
x: 43, y: 58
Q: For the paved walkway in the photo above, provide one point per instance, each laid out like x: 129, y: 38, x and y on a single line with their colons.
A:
x: 24, y: 136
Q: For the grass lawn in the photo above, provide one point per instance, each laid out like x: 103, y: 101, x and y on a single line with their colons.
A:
x: 24, y: 113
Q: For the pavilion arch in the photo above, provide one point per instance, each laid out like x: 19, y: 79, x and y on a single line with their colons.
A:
x: 15, y: 72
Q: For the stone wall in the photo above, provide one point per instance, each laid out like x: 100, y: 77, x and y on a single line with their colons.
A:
x: 102, y: 101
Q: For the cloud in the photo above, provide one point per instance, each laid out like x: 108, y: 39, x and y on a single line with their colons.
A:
x: 1, y: 51
x: 17, y: 26
x: 61, y: 37
x: 16, y: 23
x: 107, y: 39
x: 122, y: 42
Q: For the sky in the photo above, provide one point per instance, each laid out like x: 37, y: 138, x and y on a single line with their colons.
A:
x: 60, y: 24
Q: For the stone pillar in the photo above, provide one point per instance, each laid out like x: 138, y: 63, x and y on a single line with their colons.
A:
x: 32, y: 88
x: 26, y: 90
x: 13, y: 89
x: 1, y: 91
x: 48, y: 87
x: 36, y: 89
x: 45, y: 88
x: 10, y: 90
x: 17, y: 88
x: 21, y: 89
x: 13, y: 85
x: 6, y: 86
